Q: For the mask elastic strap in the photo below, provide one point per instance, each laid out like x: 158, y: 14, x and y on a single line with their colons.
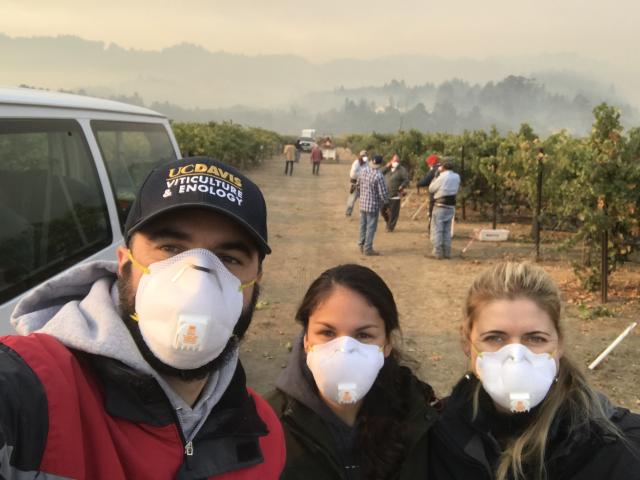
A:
x: 136, y: 263
x: 475, y: 349
x: 134, y: 316
x: 246, y: 285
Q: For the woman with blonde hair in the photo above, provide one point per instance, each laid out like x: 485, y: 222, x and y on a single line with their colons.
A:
x: 525, y: 411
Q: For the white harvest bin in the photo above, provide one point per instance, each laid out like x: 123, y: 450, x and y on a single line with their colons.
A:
x: 490, y: 235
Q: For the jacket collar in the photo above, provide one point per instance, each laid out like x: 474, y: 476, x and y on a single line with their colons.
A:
x: 421, y: 416
x: 473, y: 435
x: 229, y: 438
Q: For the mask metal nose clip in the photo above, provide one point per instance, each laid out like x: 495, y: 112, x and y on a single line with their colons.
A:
x: 199, y: 268
x: 347, y: 345
x: 517, y: 352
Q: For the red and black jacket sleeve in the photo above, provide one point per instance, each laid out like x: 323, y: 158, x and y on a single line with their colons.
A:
x: 23, y: 415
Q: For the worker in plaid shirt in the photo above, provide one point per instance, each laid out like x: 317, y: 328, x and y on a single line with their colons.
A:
x: 373, y: 196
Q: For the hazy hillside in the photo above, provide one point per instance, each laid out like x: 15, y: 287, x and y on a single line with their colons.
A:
x: 285, y: 92
x: 191, y: 76
x: 454, y: 106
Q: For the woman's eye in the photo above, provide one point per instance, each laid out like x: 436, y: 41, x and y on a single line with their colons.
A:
x: 326, y: 333
x: 537, y: 340
x: 493, y: 339
x: 363, y: 335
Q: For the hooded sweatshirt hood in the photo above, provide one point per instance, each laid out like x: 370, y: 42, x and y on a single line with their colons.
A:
x: 297, y: 381
x: 81, y: 309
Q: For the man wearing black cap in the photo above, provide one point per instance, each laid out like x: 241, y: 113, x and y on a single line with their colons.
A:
x: 130, y: 369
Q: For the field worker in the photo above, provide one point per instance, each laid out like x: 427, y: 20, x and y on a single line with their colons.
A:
x: 396, y: 179
x: 356, y: 167
x: 129, y: 369
x: 298, y: 146
x: 289, y: 153
x: 348, y: 408
x: 316, y: 158
x: 525, y: 411
x: 444, y: 189
x: 433, y: 165
x: 373, y: 196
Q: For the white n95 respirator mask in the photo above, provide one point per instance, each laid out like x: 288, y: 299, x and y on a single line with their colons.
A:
x: 344, y: 369
x: 516, y: 378
x: 187, y: 307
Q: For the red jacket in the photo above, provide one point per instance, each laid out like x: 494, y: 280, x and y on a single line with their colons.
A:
x: 316, y: 155
x: 81, y: 416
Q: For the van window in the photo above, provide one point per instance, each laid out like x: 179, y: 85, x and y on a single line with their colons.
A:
x: 130, y: 151
x: 52, y: 208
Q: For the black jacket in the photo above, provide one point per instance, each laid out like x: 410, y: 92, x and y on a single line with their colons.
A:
x: 466, y: 448
x: 395, y: 180
x: 316, y: 445
x: 428, y: 178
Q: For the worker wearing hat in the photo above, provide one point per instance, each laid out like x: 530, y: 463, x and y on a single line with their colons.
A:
x: 356, y: 167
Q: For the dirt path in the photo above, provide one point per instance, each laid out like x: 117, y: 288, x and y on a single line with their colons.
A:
x: 308, y: 232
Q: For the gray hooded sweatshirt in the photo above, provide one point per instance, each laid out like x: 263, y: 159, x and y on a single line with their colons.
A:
x: 81, y: 309
x: 297, y: 381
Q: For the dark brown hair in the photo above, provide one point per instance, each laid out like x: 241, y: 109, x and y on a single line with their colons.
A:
x: 382, y: 420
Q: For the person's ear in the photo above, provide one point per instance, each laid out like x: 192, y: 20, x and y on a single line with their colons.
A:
x: 386, y: 350
x: 123, y: 258
x: 465, y: 342
x: 559, y: 351
x: 466, y: 346
x: 305, y: 343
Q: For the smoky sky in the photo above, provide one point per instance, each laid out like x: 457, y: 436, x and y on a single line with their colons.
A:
x: 329, y: 29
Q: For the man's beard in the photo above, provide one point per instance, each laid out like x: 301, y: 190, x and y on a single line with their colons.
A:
x: 128, y: 308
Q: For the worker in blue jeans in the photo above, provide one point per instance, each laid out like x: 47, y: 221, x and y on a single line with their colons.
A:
x: 373, y: 196
x: 444, y: 189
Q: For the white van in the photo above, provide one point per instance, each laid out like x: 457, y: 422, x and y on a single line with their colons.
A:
x: 69, y: 170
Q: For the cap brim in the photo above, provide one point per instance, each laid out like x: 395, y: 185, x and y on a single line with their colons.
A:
x: 262, y: 245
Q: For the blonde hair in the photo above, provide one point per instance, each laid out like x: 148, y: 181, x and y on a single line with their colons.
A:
x: 571, y: 392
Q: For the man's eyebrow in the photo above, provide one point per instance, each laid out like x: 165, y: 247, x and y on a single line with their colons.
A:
x: 166, y: 232
x: 240, y: 245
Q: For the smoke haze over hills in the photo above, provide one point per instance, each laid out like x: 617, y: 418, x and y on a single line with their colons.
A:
x: 282, y: 92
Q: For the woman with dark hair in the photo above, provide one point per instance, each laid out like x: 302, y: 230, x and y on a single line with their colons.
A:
x: 348, y: 408
x: 525, y: 412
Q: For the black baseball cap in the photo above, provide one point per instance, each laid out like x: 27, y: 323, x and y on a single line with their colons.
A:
x: 200, y: 182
